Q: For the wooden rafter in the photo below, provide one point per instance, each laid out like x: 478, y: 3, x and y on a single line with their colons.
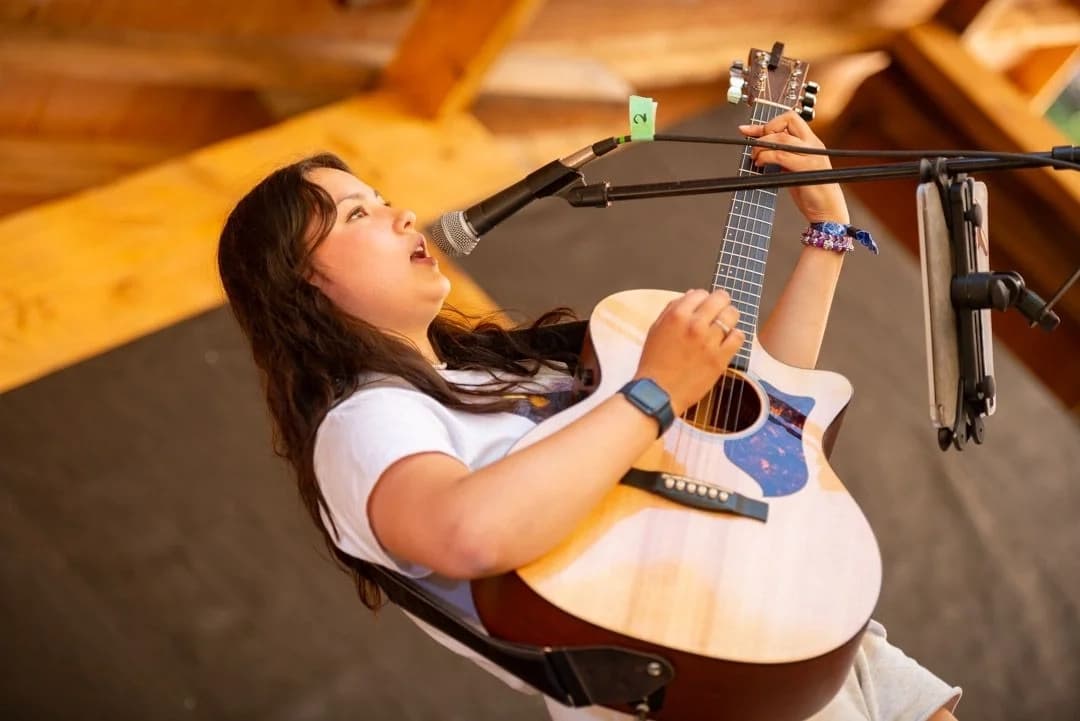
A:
x: 704, y: 52
x: 986, y: 105
x: 936, y: 94
x: 1043, y: 74
x: 1017, y: 30
x: 42, y: 166
x: 441, y: 61
x: 85, y: 274
x: 187, y: 59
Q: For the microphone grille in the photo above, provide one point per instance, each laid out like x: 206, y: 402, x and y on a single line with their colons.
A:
x: 453, y: 235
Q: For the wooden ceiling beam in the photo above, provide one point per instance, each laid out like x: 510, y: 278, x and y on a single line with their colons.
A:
x: 88, y: 273
x: 703, y: 53
x: 985, y: 105
x: 960, y: 16
x: 187, y: 59
x: 1020, y: 29
x: 437, y: 70
x: 43, y: 166
x: 936, y: 94
x: 1043, y: 74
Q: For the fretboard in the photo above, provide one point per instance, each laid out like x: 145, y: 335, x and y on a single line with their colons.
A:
x: 740, y: 269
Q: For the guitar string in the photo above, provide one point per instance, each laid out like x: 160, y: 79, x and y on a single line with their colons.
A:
x: 741, y: 264
x: 759, y: 229
x: 726, y: 268
x: 765, y: 204
x: 712, y: 403
x: 737, y: 271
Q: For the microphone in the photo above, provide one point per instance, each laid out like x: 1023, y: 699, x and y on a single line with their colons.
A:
x: 457, y: 232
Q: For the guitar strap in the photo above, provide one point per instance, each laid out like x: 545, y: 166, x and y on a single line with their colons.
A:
x: 574, y: 675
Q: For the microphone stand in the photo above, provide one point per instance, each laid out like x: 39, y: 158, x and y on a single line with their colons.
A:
x: 971, y: 291
x: 601, y: 195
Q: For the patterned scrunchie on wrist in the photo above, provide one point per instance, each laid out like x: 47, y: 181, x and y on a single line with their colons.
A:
x: 830, y: 235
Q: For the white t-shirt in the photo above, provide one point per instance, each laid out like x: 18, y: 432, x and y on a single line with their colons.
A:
x: 389, y: 420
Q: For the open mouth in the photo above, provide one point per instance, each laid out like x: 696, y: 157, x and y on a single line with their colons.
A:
x: 420, y: 252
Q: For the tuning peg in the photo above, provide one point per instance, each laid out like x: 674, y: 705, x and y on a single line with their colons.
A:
x: 812, y: 88
x: 808, y: 100
x: 806, y: 113
x: 736, y: 82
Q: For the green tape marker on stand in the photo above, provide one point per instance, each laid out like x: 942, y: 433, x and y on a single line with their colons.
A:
x: 642, y: 118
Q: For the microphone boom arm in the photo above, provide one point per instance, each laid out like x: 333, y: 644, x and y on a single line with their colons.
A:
x: 971, y: 290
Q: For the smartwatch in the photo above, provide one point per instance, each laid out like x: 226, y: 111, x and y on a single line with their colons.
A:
x: 652, y: 400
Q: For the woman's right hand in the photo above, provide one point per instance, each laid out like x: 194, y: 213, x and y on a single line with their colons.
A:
x: 686, y: 350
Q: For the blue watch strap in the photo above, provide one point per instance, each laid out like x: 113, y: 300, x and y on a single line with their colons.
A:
x: 652, y: 400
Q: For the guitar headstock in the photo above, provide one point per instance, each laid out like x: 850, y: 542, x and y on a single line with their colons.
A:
x: 769, y: 76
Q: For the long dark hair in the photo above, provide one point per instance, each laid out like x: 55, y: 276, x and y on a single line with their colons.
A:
x: 311, y: 355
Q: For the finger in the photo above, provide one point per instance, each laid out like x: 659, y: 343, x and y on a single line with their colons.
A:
x: 667, y: 309
x: 782, y: 158
x: 732, y: 342
x: 673, y: 306
x: 727, y: 318
x: 752, y: 130
x: 687, y: 305
x: 779, y: 124
x: 801, y: 129
x: 704, y: 320
x: 782, y: 138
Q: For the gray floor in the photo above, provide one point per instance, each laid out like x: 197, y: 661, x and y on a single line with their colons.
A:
x: 156, y: 563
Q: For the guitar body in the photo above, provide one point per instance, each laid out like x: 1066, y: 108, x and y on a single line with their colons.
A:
x: 761, y: 618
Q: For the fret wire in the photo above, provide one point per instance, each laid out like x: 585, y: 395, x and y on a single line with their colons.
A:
x: 740, y: 281
x: 749, y: 252
x: 744, y: 298
x: 760, y: 204
x: 732, y: 254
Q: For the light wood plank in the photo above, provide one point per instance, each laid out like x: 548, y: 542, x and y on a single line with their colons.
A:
x: 703, y: 52
x: 188, y: 59
x: 1028, y: 234
x: 985, y: 105
x: 521, y: 73
x: 440, y: 63
x: 1043, y: 74
x: 963, y: 16
x: 35, y: 165
x: 86, y: 274
x: 1017, y: 29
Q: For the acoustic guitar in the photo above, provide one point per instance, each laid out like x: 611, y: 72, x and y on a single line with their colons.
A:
x: 731, y: 548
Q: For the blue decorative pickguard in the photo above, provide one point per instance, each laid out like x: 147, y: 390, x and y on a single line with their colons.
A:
x: 774, y: 455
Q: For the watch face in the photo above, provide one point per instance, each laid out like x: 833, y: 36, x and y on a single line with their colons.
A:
x: 651, y: 394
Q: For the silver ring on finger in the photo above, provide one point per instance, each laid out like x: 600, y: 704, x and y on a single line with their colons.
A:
x: 722, y: 326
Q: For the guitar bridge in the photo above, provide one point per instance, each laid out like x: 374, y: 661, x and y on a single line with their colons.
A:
x: 696, y: 494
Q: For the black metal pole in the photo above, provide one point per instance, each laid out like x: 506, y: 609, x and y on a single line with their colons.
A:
x: 599, y: 195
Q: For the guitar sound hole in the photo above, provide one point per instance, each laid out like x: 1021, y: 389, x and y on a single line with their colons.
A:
x: 732, y: 405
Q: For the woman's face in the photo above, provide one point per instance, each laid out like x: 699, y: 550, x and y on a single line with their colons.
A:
x: 375, y: 264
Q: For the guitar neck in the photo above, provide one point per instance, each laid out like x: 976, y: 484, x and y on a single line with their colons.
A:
x: 740, y: 269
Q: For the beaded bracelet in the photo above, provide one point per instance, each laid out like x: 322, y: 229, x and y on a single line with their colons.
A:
x: 837, y: 237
